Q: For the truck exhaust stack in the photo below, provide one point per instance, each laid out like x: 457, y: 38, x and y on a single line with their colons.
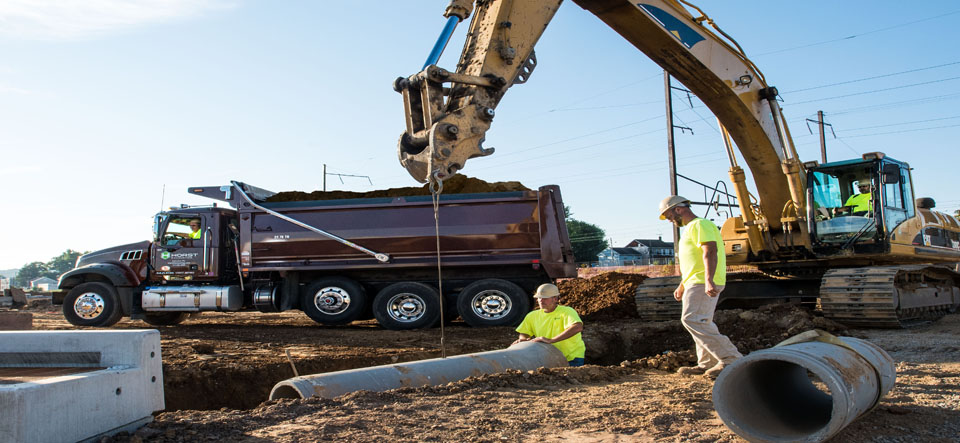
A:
x: 522, y: 356
x: 769, y: 396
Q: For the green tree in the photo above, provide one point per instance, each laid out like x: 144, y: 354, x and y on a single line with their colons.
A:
x: 62, y: 263
x: 29, y: 272
x: 587, y: 239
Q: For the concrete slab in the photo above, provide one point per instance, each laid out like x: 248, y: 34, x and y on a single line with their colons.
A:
x: 16, y: 321
x: 78, y: 385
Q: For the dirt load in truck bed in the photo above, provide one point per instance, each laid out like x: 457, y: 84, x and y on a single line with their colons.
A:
x: 458, y: 184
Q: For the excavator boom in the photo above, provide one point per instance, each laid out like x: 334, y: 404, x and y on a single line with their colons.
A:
x: 446, y: 125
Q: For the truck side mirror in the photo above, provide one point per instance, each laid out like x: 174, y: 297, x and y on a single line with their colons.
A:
x: 891, y: 174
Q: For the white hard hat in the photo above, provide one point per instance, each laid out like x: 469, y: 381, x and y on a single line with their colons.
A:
x: 547, y: 290
x: 672, y: 202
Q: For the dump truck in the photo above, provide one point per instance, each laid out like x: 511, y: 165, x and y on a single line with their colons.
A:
x: 336, y: 260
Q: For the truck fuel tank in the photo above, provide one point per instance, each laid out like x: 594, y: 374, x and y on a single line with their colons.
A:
x: 192, y: 298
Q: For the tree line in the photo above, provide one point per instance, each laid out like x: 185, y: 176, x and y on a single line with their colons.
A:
x: 53, y: 268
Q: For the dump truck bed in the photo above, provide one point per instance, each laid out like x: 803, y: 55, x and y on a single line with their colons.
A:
x: 488, y: 229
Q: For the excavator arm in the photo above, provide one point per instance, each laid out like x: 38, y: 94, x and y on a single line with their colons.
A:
x: 449, y: 113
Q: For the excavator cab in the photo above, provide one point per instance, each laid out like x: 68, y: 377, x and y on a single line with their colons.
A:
x: 857, y: 203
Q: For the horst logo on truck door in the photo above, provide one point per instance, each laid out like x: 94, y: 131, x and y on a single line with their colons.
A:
x: 187, y: 249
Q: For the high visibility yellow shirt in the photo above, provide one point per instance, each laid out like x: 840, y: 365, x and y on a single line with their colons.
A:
x: 548, y: 325
x: 692, y: 270
x: 860, y: 202
x: 195, y: 234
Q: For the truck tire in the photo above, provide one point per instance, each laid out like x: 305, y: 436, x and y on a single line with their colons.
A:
x: 492, y: 302
x: 92, y: 304
x: 407, y: 305
x: 333, y: 301
x: 165, y: 318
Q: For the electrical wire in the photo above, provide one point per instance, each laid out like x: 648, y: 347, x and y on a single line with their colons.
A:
x: 850, y: 37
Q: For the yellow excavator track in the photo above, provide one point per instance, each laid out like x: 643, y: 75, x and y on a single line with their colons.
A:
x: 888, y: 296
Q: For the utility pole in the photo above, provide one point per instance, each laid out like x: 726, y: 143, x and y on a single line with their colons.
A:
x: 823, y: 136
x: 823, y: 139
x: 671, y: 150
x: 340, y: 176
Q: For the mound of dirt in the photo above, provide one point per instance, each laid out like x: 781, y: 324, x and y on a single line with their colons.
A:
x: 768, y: 325
x: 458, y: 184
x: 608, y: 296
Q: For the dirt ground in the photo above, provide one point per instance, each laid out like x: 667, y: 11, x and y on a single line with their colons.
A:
x: 219, y: 368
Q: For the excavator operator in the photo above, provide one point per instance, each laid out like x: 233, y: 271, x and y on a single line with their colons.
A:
x: 862, y: 203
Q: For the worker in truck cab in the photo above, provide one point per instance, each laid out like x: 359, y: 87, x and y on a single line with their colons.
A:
x: 554, y: 324
x: 195, y: 228
x: 862, y: 203
x: 703, y: 274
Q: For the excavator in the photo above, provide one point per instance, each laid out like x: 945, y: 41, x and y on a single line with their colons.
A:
x: 876, y: 258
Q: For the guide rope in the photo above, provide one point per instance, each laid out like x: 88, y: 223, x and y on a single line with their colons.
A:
x: 436, y: 187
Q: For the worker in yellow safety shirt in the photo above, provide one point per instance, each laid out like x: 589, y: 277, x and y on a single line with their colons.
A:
x: 862, y: 202
x: 554, y: 324
x: 195, y: 227
x: 703, y: 275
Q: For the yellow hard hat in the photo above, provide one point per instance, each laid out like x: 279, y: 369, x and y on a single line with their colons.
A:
x: 671, y: 202
x: 547, y: 290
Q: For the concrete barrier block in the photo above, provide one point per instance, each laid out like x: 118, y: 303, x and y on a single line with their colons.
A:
x: 78, y: 385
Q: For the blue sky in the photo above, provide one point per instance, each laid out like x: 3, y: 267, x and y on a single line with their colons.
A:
x: 110, y: 109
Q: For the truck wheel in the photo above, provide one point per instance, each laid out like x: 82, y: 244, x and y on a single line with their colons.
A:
x: 92, y: 304
x: 333, y: 301
x: 407, y: 305
x: 492, y: 302
x: 165, y: 318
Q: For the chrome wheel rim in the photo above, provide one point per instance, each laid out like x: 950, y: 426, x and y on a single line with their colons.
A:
x: 332, y: 300
x: 406, y: 307
x: 88, y: 305
x: 491, y: 304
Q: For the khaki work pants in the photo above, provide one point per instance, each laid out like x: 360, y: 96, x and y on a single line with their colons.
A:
x: 697, y: 318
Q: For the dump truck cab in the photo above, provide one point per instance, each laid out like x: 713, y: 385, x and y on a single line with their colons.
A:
x: 207, y: 254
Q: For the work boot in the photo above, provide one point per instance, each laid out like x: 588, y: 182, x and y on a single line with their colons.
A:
x: 715, y: 371
x: 691, y: 370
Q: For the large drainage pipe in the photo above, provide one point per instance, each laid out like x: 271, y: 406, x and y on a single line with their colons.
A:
x: 522, y: 356
x: 805, y: 391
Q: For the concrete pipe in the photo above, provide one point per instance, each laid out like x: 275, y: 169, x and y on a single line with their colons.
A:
x: 806, y: 391
x: 522, y: 356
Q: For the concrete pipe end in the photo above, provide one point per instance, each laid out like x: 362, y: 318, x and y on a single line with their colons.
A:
x: 287, y: 389
x: 780, y: 398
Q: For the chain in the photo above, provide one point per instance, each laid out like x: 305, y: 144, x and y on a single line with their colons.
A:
x: 436, y: 187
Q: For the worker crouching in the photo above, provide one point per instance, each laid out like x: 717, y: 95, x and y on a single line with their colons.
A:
x: 555, y: 324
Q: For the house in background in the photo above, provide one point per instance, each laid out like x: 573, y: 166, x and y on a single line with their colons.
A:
x: 620, y: 257
x: 4, y: 283
x: 658, y: 252
x: 43, y: 284
x: 639, y: 252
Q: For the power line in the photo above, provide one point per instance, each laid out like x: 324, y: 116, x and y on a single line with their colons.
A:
x: 870, y: 78
x: 877, y: 90
x: 522, y: 150
x: 900, y: 132
x: 849, y: 37
x: 903, y: 123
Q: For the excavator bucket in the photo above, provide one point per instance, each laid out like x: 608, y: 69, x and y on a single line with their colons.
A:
x: 446, y: 151
x: 438, y: 143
